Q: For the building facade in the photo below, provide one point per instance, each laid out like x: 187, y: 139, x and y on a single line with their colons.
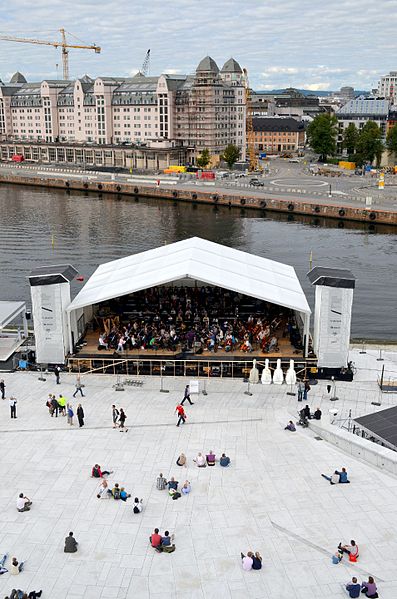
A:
x: 387, y: 87
x: 359, y: 112
x: 277, y: 135
x: 204, y: 110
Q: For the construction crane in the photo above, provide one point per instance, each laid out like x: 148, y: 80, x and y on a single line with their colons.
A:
x: 146, y: 64
x: 60, y: 44
x: 253, y: 161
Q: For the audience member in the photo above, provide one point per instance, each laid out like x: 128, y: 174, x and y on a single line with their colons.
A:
x: 116, y: 491
x: 290, y: 426
x: 247, y: 560
x: 16, y: 567
x: 124, y: 495
x: 155, y: 538
x: 138, y: 507
x: 343, y: 476
x: 181, y: 461
x: 334, y: 479
x: 353, y: 588
x: 70, y: 544
x: 256, y: 561
x: 200, y: 460
x: 369, y: 588
x: 173, y: 484
x: 104, y: 490
x: 317, y: 414
x: 210, y: 457
x: 161, y: 482
x: 351, y: 550
x: 186, y: 487
x: 224, y: 461
x: 166, y: 545
x: 23, y: 503
x: 98, y: 473
x: 3, y: 569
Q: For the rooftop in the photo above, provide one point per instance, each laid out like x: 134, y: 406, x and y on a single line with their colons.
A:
x: 277, y: 124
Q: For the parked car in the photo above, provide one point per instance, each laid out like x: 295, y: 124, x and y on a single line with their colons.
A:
x: 257, y: 183
x: 240, y: 175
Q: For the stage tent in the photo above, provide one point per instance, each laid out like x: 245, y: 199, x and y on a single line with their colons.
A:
x: 204, y: 261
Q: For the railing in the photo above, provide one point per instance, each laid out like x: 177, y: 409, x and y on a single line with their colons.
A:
x: 196, y: 368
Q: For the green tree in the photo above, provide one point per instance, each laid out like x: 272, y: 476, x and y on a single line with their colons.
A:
x: 321, y: 134
x: 369, y: 143
x: 231, y: 155
x: 350, y: 138
x: 391, y: 140
x: 204, y: 159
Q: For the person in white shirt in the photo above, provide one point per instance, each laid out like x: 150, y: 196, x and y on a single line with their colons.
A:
x: 23, y: 503
x: 138, y: 507
x: 247, y: 561
x: 200, y: 460
x: 334, y: 479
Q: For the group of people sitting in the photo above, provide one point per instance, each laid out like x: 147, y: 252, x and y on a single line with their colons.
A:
x: 207, y: 317
x: 203, y: 461
x: 251, y: 561
x: 18, y: 594
x: 338, y: 477
x: 117, y: 492
x: 368, y: 588
x: 162, y: 543
x: 14, y: 568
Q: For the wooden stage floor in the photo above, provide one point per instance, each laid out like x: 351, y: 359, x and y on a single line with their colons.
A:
x: 286, y: 350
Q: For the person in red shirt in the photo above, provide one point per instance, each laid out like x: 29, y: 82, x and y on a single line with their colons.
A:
x: 98, y: 473
x: 181, y: 414
x: 155, y: 538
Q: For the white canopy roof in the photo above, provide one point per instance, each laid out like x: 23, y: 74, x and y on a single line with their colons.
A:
x: 198, y: 259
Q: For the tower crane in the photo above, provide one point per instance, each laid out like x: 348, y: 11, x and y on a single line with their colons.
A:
x: 253, y: 161
x: 146, y: 64
x: 62, y: 43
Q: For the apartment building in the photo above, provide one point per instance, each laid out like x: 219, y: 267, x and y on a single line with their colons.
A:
x: 277, y: 135
x: 387, y: 87
x: 203, y: 110
x: 359, y: 111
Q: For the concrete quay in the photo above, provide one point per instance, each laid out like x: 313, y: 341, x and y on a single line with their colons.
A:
x: 243, y: 199
x: 271, y: 499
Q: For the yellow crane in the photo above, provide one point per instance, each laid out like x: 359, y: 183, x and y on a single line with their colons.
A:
x: 58, y: 44
x: 253, y: 161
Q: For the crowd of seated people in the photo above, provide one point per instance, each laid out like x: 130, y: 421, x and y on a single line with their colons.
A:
x: 200, y: 318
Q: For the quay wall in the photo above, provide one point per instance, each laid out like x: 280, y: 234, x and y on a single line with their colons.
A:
x: 338, y: 210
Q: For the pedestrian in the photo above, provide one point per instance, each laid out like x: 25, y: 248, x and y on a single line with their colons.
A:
x: 122, y: 419
x: 187, y: 396
x: 62, y: 404
x: 306, y: 390
x: 70, y: 544
x: 78, y: 387
x: 3, y: 389
x: 70, y: 413
x: 300, y: 390
x: 57, y: 371
x: 181, y: 414
x: 13, y: 407
x: 115, y: 416
x: 80, y: 415
x: 54, y: 406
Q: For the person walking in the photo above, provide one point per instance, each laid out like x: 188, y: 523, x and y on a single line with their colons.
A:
x: 187, y: 396
x: 115, y: 416
x: 181, y: 414
x: 122, y: 419
x: 57, y: 371
x: 13, y: 407
x: 78, y: 387
x: 70, y: 413
x: 3, y: 389
x: 80, y: 415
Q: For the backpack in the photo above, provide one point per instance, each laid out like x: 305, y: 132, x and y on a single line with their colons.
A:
x: 116, y: 493
x: 176, y: 495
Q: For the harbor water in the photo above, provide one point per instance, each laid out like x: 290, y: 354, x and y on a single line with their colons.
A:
x: 41, y: 227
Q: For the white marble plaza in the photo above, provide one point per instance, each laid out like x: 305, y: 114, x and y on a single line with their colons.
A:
x: 272, y: 499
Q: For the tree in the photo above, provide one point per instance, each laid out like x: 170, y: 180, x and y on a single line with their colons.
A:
x: 369, y: 143
x: 231, y: 155
x: 391, y: 140
x: 350, y: 138
x: 204, y: 159
x: 321, y: 134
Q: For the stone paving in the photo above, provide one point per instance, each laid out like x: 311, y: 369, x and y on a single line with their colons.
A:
x: 272, y: 499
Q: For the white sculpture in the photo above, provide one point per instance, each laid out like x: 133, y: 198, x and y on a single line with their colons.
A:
x: 266, y: 374
x: 290, y: 377
x: 278, y: 376
x: 254, y: 374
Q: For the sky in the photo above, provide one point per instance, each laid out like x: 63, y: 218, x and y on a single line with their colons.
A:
x: 283, y: 43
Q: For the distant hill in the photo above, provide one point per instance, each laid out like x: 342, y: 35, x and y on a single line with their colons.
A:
x: 309, y: 92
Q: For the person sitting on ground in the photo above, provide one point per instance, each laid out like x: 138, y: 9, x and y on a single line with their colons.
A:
x: 306, y: 411
x: 256, y: 561
x: 247, y: 561
x: 70, y: 544
x: 16, y: 567
x: 334, y: 479
x: 161, y: 482
x: 98, y: 473
x: 124, y: 495
x: 369, y: 588
x: 353, y: 588
x: 200, y: 460
x: 210, y: 457
x: 181, y: 461
x: 32, y: 595
x: 138, y: 507
x: 290, y: 426
x: 351, y: 550
x: 102, y: 343
x: 224, y: 461
x: 116, y: 491
x: 23, y: 503
x: 186, y: 487
x: 173, y: 484
x: 155, y: 538
x: 3, y: 570
x: 317, y: 414
x: 104, y: 490
x: 343, y: 476
x: 167, y: 545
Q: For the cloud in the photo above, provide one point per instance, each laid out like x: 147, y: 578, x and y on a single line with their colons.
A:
x: 281, y: 44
